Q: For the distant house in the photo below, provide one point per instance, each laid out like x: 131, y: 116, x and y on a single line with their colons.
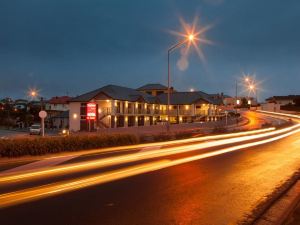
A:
x: 61, y: 120
x: 59, y: 104
x: 283, y: 100
x: 21, y: 104
x: 57, y: 108
x: 233, y: 102
x: 276, y: 103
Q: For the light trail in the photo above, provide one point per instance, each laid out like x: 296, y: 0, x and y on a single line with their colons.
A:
x: 120, y: 159
x: 117, y: 160
x: 167, y: 143
x: 18, y: 197
x: 280, y: 114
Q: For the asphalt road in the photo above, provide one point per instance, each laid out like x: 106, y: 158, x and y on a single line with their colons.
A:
x: 213, y: 191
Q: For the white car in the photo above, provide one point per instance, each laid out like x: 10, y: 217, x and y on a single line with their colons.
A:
x: 35, y: 129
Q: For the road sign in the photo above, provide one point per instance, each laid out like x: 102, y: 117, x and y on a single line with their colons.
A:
x: 43, y: 114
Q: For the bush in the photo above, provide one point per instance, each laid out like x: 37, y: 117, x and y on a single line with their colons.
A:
x: 162, y: 137
x: 219, y: 129
x: 183, y: 135
x: 41, y: 146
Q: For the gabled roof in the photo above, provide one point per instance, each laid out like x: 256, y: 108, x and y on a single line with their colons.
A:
x: 117, y: 93
x: 286, y: 97
x: 186, y: 98
x: 152, y: 87
x: 59, y: 100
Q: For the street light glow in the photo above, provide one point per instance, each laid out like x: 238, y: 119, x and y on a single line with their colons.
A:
x: 33, y: 93
x: 191, y: 37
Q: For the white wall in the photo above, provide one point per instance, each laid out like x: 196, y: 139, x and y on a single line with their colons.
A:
x: 74, y: 116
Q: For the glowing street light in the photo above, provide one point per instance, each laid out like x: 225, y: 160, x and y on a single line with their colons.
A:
x: 191, y: 37
x: 33, y: 93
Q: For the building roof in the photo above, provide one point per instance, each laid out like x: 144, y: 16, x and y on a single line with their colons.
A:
x: 286, y: 97
x: 117, y: 93
x: 59, y: 100
x: 128, y: 94
x: 187, y: 98
x: 152, y: 87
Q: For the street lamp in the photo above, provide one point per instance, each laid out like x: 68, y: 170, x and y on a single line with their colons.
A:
x: 189, y: 38
x: 33, y: 93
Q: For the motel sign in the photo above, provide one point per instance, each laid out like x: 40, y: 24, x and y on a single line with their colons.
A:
x: 91, y: 111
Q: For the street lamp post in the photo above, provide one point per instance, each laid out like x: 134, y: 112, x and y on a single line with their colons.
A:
x: 189, y: 38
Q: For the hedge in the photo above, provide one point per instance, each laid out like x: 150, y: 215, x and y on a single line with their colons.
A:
x: 41, y: 146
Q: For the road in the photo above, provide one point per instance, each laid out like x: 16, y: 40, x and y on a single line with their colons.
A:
x: 219, y: 189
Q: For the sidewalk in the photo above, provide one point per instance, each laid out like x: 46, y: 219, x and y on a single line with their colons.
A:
x: 294, y: 218
x: 285, y: 210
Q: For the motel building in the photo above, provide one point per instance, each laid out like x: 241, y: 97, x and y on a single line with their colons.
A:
x: 115, y: 106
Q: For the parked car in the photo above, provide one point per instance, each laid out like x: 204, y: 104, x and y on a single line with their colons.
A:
x: 35, y: 129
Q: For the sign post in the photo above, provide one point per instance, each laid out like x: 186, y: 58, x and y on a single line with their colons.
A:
x: 226, y: 114
x: 91, y: 113
x: 43, y: 115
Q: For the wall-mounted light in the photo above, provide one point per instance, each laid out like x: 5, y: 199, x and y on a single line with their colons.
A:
x: 75, y: 116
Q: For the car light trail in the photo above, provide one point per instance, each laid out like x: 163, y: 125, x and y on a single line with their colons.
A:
x: 280, y: 114
x: 166, y: 143
x: 82, y: 166
x: 18, y: 197
x: 117, y: 160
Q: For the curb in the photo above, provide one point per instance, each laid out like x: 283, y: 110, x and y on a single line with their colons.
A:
x: 279, y: 212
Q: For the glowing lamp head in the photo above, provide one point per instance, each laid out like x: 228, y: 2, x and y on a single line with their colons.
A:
x: 191, y: 37
x: 33, y: 93
x: 251, y: 87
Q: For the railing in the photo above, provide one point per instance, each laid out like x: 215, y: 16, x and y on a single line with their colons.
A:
x: 185, y: 112
x: 105, y: 111
x: 201, y: 112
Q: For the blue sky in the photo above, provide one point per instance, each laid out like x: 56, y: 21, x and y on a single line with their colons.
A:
x: 73, y: 46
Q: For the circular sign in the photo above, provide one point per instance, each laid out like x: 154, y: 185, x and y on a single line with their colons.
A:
x: 43, y: 114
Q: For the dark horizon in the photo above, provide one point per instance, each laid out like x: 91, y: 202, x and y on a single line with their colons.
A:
x: 71, y: 47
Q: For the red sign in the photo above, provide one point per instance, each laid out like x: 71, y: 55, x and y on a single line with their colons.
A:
x: 91, y: 111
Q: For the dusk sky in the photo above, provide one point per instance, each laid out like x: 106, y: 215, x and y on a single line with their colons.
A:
x: 74, y: 46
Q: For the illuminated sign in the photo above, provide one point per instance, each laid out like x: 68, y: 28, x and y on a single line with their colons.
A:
x: 91, y: 111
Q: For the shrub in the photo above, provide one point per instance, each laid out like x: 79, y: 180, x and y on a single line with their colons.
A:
x: 41, y: 146
x: 183, y: 135
x: 162, y: 137
x: 219, y: 129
